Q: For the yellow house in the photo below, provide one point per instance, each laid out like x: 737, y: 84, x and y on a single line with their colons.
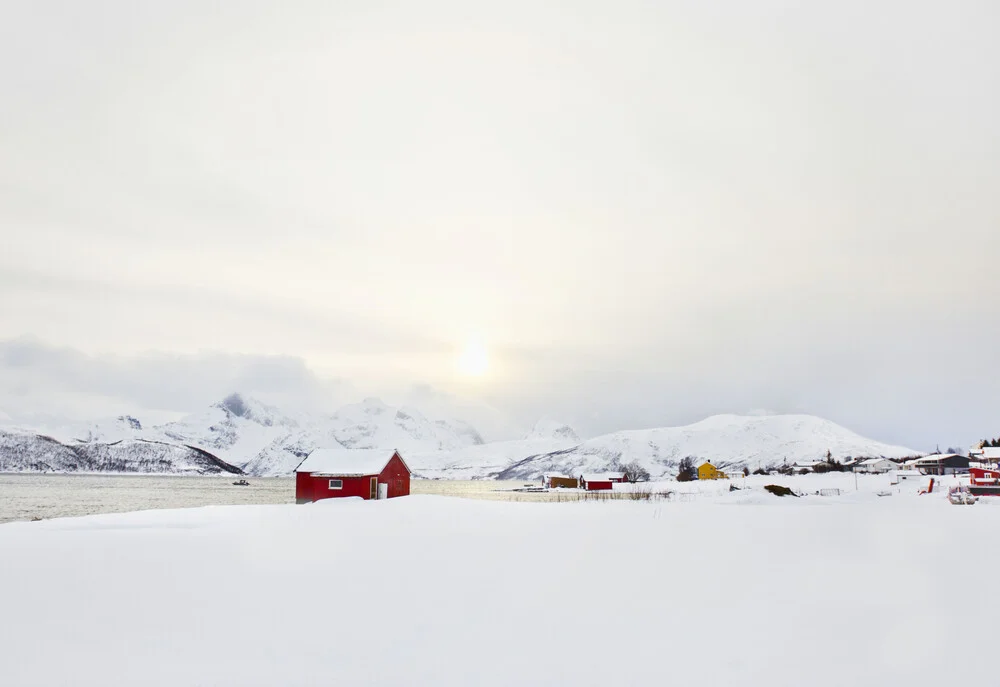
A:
x: 709, y: 471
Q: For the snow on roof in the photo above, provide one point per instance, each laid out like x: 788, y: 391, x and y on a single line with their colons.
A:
x: 991, y: 451
x: 933, y: 458
x: 347, y: 461
x: 873, y: 461
x: 598, y: 477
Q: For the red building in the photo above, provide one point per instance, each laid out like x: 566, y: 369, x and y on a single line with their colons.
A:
x: 594, y: 482
x: 335, y: 473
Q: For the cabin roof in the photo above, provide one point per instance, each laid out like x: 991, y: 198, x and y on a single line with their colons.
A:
x: 598, y: 477
x: 348, y: 462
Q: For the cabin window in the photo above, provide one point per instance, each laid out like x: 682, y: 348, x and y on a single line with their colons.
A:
x: 336, y: 484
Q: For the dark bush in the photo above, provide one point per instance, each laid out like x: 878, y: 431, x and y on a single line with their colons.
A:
x: 686, y: 471
x: 779, y: 490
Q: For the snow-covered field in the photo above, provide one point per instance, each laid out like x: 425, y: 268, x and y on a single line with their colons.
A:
x: 728, y: 589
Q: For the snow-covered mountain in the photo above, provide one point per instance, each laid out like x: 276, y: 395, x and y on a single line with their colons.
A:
x: 114, y: 429
x: 241, y: 434
x: 546, y: 429
x: 486, y: 461
x: 369, y: 424
x: 235, y: 429
x: 23, y: 451
x: 728, y: 441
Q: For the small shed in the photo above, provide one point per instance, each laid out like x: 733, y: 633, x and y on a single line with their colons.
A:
x: 335, y: 473
x: 708, y: 471
x: 615, y: 477
x: 876, y: 466
x: 595, y: 482
x: 554, y: 481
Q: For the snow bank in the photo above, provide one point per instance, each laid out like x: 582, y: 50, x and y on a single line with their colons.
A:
x: 440, y: 591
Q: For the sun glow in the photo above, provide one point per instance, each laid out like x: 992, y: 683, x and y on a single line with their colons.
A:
x: 474, y: 361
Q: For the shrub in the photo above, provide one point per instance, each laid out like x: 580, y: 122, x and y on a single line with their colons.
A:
x: 779, y: 490
x: 634, y: 472
x: 686, y: 471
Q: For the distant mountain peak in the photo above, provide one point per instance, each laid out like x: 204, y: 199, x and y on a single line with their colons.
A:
x: 130, y: 422
x: 240, y: 405
x: 547, y: 428
x: 374, y: 405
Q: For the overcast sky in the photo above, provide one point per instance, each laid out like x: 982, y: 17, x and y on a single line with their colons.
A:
x: 647, y: 212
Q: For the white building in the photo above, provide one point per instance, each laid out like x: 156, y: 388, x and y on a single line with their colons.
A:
x: 876, y: 465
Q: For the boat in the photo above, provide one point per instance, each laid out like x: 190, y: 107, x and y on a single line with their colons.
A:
x: 241, y: 483
x: 984, y: 481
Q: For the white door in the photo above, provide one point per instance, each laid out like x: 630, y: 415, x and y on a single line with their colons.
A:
x: 383, y: 491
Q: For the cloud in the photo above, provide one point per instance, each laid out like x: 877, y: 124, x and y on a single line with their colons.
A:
x: 39, y: 382
x: 649, y: 213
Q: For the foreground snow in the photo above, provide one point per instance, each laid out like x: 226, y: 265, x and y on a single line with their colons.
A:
x: 440, y: 591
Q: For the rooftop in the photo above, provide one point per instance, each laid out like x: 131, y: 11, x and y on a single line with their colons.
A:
x: 600, y: 477
x: 347, y: 461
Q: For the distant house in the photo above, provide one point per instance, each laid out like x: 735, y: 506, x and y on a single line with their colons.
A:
x: 595, y: 482
x: 990, y: 454
x: 876, y: 466
x: 555, y: 481
x: 708, y: 471
x: 809, y: 465
x: 615, y: 477
x: 940, y: 464
x: 336, y: 473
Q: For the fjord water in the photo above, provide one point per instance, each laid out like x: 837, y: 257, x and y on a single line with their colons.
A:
x: 24, y: 496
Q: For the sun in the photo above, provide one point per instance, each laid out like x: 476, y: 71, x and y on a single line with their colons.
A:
x: 474, y: 361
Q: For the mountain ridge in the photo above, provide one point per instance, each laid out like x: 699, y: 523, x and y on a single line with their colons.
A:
x: 242, y: 435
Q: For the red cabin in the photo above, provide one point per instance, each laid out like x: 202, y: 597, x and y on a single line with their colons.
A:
x: 595, y: 482
x: 336, y: 473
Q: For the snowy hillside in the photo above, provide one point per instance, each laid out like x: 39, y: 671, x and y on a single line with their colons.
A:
x: 485, y: 461
x: 728, y: 441
x: 546, y: 438
x: 116, y: 429
x: 22, y: 451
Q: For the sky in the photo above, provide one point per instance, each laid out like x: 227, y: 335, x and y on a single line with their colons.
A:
x: 628, y: 214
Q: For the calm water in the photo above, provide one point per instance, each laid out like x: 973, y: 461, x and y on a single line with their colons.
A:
x: 28, y: 496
